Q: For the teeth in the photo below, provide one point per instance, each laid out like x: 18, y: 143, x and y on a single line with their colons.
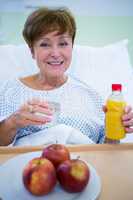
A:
x: 55, y: 63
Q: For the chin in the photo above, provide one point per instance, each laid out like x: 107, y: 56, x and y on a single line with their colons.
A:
x: 57, y: 73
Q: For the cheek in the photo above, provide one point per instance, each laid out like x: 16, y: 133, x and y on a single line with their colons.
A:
x: 69, y: 57
x: 68, y: 54
x: 39, y: 55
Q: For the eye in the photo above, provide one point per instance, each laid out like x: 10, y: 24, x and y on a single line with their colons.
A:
x: 63, y: 44
x: 44, y: 44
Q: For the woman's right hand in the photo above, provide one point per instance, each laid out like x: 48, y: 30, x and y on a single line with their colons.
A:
x: 26, y: 115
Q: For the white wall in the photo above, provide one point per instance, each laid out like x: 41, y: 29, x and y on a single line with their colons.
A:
x: 79, y: 7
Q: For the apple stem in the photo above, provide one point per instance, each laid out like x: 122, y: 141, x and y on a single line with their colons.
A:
x: 56, y: 141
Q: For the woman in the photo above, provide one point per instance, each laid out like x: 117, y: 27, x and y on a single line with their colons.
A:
x: 50, y: 35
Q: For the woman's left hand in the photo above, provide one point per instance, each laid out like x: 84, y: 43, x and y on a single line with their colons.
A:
x: 127, y: 119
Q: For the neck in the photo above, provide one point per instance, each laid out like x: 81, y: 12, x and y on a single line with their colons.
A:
x: 50, y: 82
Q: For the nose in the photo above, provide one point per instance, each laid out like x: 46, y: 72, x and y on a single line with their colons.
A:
x: 55, y: 52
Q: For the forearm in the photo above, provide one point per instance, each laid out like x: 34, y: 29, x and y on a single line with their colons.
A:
x: 7, y: 131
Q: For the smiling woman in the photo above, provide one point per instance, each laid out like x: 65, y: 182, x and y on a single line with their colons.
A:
x: 50, y: 35
x: 52, y: 46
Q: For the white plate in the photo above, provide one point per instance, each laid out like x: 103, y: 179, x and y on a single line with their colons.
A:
x: 12, y: 188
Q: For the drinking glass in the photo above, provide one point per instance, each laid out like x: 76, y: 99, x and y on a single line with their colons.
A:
x: 55, y: 106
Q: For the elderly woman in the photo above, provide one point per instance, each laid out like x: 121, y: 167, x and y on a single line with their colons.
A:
x: 50, y: 35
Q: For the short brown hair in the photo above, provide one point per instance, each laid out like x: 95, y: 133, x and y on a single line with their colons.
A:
x: 45, y: 20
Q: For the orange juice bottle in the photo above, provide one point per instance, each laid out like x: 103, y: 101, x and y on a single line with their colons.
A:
x: 115, y: 104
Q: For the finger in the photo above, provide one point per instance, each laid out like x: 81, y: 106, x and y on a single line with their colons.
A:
x: 38, y: 122
x: 38, y: 102
x: 43, y: 110
x: 27, y: 122
x: 128, y: 123
x: 127, y: 109
x: 129, y: 129
x: 128, y: 116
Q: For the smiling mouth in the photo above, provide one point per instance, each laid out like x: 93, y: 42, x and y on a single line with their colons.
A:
x: 55, y: 63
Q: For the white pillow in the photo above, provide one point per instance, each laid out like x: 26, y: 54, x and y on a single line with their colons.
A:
x: 102, y: 66
x: 15, y: 61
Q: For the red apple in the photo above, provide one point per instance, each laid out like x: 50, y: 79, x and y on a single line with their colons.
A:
x: 73, y: 175
x: 56, y: 153
x: 39, y: 176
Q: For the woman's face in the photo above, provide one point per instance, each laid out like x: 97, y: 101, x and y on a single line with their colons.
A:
x: 53, y: 53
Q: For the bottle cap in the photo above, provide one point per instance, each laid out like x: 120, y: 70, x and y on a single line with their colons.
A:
x: 116, y: 87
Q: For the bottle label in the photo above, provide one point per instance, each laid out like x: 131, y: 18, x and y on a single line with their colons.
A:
x: 114, y: 128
